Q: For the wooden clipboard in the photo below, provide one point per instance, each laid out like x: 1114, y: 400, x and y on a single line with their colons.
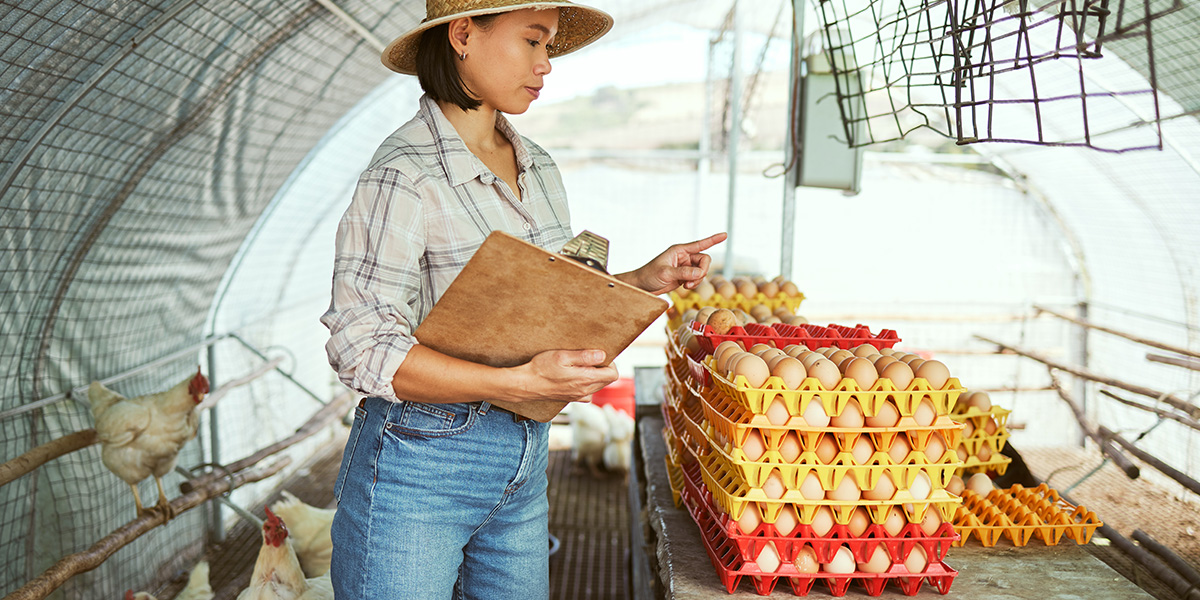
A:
x: 514, y: 300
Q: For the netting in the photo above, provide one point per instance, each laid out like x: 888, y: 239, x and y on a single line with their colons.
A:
x: 996, y: 71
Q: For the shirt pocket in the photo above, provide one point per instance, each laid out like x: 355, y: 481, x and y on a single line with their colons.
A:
x: 360, y: 417
x: 432, y: 420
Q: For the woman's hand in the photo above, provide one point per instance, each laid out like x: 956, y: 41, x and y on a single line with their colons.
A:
x: 564, y: 375
x: 681, y: 264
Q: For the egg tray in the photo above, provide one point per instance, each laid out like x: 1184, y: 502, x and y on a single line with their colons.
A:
x: 688, y: 437
x: 735, y: 423
x: 683, y: 304
x: 978, y: 419
x: 757, y: 399
x: 998, y: 465
x: 1020, y: 514
x: 824, y: 547
x: 733, y: 494
x: 730, y: 565
x: 675, y: 481
x: 781, y: 335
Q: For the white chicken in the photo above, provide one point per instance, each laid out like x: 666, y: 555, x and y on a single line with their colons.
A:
x: 277, y: 573
x: 142, y: 436
x: 618, y: 452
x: 197, y: 587
x: 589, y: 435
x: 308, y: 528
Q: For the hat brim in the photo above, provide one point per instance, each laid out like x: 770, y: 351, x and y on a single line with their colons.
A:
x: 578, y: 26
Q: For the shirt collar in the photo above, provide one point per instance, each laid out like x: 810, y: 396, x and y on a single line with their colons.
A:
x: 460, y: 164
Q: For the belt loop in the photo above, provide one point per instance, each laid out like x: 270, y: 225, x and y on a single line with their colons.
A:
x: 484, y: 405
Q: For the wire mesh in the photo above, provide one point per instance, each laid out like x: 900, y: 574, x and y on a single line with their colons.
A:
x: 994, y: 70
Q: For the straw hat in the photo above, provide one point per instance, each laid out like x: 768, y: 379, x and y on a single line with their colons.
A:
x: 578, y: 26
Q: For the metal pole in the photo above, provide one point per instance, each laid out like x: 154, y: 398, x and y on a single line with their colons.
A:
x: 791, y: 153
x: 1081, y: 359
x: 216, y: 529
x: 735, y: 131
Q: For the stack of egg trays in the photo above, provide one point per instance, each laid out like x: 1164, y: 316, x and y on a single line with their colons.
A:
x: 1019, y: 514
x: 737, y: 301
x: 732, y: 553
x: 998, y: 464
x: 781, y: 335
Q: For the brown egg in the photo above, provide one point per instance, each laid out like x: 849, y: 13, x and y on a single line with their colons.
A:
x: 769, y: 289
x: 704, y: 313
x: 826, y: 372
x: 774, y: 360
x: 754, y: 369
x: 743, y: 317
x: 773, y: 487
x: 961, y: 451
x: 887, y: 351
x: 842, y: 563
x: 809, y: 358
x: 915, y: 364
x: 822, y: 521
x: 895, y: 521
x: 899, y: 373
x: 826, y: 449
x: 879, y: 562
x: 887, y: 416
x: 795, y: 350
x: 726, y: 290
x: 759, y: 348
x: 731, y: 362
x: 917, y: 560
x: 859, y: 520
x: 936, y: 448
x: 787, y: 521
x: 899, y: 450
x: 791, y: 371
x: 777, y: 412
x: 864, y: 350
x: 688, y: 316
x: 984, y: 454
x: 837, y: 356
x: 882, y: 362
x: 789, y: 288
x: 921, y: 487
x: 861, y: 371
x: 885, y: 488
x: 827, y: 350
x: 846, y: 491
x: 705, y: 290
x: 956, y: 485
x: 722, y: 354
x: 989, y: 427
x: 760, y: 311
x: 806, y: 561
x: 851, y: 416
x: 690, y: 344
x: 932, y: 521
x: 754, y: 447
x: 968, y: 428
x: 814, y: 413
x: 980, y: 483
x: 934, y: 372
x: 862, y: 450
x: 747, y: 289
x: 979, y: 400
x: 722, y: 321
x: 770, y: 353
x: 925, y: 414
x: 842, y: 364
x: 908, y: 358
x: 750, y: 519
x: 797, y: 320
x: 789, y: 447
x: 768, y: 560
x: 811, y: 488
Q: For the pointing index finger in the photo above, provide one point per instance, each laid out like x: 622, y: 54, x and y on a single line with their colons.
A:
x: 706, y: 243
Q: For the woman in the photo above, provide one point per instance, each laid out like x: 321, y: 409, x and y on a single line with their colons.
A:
x: 440, y: 493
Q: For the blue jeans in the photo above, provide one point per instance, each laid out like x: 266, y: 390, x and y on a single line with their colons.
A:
x: 441, y: 501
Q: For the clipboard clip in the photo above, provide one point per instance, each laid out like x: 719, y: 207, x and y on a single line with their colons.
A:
x: 589, y: 249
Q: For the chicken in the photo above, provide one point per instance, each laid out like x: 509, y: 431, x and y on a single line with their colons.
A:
x: 308, y: 527
x: 618, y: 452
x: 142, y: 436
x: 197, y: 587
x: 589, y: 435
x: 277, y: 574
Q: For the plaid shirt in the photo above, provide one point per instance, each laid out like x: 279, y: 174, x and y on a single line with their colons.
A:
x: 420, y: 211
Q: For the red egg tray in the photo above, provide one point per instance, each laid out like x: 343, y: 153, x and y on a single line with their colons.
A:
x: 781, y: 335
x: 727, y: 558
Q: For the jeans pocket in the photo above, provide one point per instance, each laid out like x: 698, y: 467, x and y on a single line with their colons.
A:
x: 432, y: 420
x: 360, y: 417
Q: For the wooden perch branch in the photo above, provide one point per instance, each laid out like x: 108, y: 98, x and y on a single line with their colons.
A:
x: 1106, y: 446
x: 45, y: 453
x: 1168, y: 556
x: 74, y: 564
x: 1128, y: 336
x: 1191, y: 410
x: 229, y: 386
x: 1187, y: 363
x: 1166, y: 414
x: 1149, y: 459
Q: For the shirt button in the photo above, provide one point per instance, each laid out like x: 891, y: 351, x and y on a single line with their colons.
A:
x: 528, y: 227
x: 488, y: 180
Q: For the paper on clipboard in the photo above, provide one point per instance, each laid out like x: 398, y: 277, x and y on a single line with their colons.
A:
x: 514, y: 300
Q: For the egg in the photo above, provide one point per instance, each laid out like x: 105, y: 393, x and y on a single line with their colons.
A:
x: 722, y: 320
x: 837, y: 356
x: 862, y: 372
x: 887, y: 351
x: 789, y: 447
x: 887, y: 416
x: 879, y: 562
x: 862, y: 450
x: 704, y: 313
x: 791, y: 371
x: 935, y: 372
x: 754, y: 369
x: 846, y: 491
x: 917, y: 560
x: 797, y: 320
x: 814, y: 413
x: 747, y: 289
x: 749, y: 520
x: 688, y: 316
x: 787, y: 521
x: 985, y: 453
x: 827, y: 350
x: 806, y: 561
x: 721, y: 356
x: 921, y: 486
x: 899, y: 373
x: 759, y: 348
x: 770, y: 353
x: 851, y: 416
x: 956, y: 485
x: 795, y: 350
x: 743, y: 317
x: 770, y: 289
x: 979, y: 400
x: 704, y: 290
x: 842, y: 364
x: 895, y: 521
x: 768, y: 560
x: 842, y: 563
x: 980, y: 483
x: 760, y: 311
x: 811, y: 488
x: 807, y: 359
x: 826, y: 449
x: 726, y: 290
x: 968, y: 428
x: 899, y: 450
x: 989, y: 428
x: 915, y: 364
x: 908, y: 358
x: 777, y: 412
x: 859, y: 520
x: 822, y: 521
x: 925, y: 414
x: 774, y: 360
x: 882, y: 362
x: 961, y: 451
x: 754, y: 447
x: 773, y: 487
x: 936, y: 448
x: 932, y: 522
x: 885, y: 488
x: 826, y: 372
x: 789, y: 288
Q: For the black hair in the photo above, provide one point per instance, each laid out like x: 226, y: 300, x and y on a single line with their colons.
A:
x: 436, y: 68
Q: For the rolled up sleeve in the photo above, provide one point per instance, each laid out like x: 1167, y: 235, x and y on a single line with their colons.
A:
x: 376, y: 282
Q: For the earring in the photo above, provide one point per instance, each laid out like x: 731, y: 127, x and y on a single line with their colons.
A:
x: 462, y: 56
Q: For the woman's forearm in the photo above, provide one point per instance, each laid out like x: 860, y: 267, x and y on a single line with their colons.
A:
x: 427, y: 375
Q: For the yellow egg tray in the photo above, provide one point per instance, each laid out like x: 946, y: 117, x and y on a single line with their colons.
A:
x: 998, y: 465
x: 733, y: 494
x: 737, y: 301
x: 735, y: 423
x: 756, y: 400
x: 1020, y: 514
x: 675, y: 481
x: 682, y: 443
x: 995, y: 442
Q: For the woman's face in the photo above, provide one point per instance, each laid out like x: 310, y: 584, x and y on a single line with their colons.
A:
x: 507, y: 62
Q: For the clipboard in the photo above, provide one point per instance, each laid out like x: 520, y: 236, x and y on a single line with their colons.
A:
x: 514, y: 300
